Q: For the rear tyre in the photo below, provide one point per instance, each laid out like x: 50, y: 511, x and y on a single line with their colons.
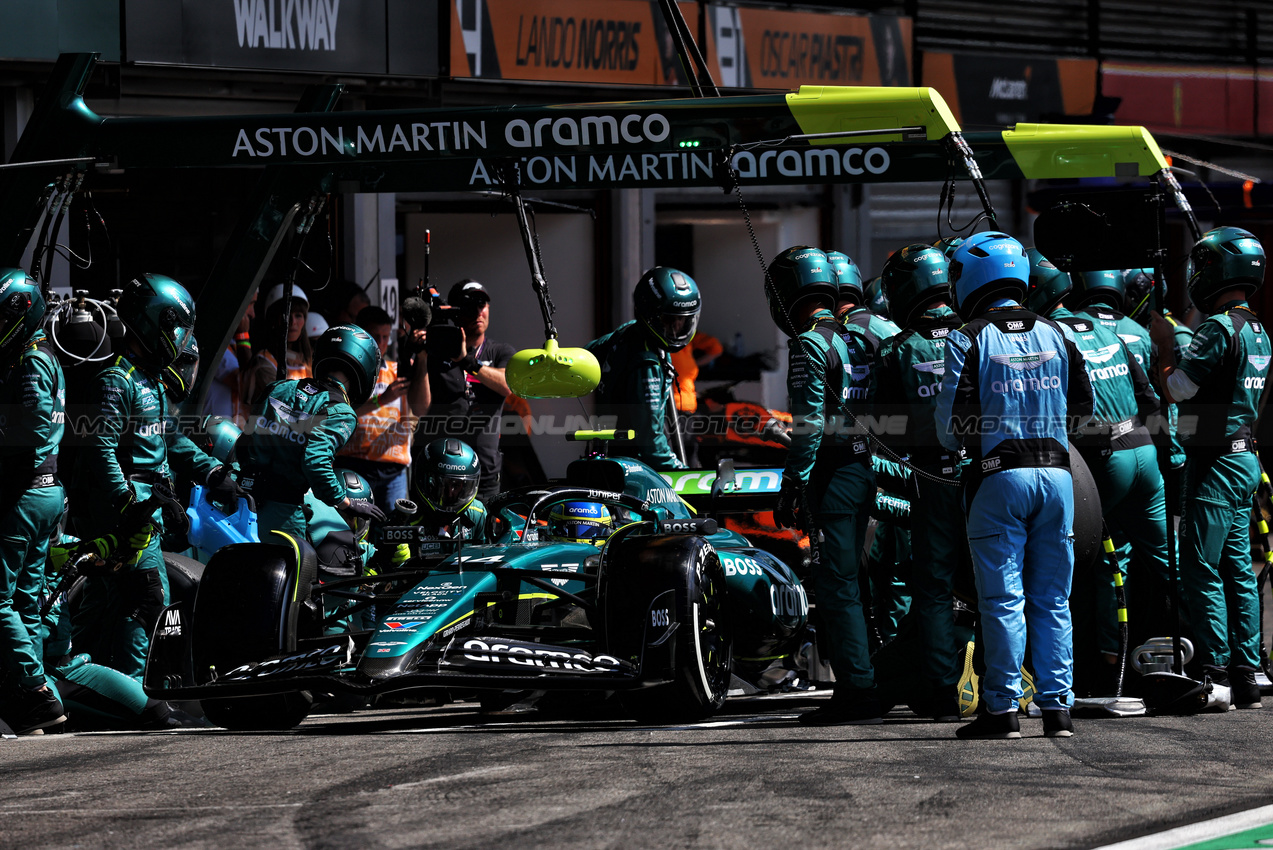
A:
x: 702, y: 660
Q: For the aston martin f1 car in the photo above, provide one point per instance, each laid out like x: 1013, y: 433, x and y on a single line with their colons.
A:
x: 663, y: 614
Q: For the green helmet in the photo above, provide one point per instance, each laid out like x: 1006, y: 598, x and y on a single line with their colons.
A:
x: 356, y: 489
x: 667, y: 302
x: 1224, y: 258
x: 353, y: 352
x: 158, y: 313
x: 1047, y: 285
x: 178, y: 376
x: 1138, y: 289
x: 445, y: 475
x: 914, y: 278
x: 21, y: 311
x: 947, y: 245
x: 218, y: 437
x: 848, y: 277
x: 799, y: 274
x: 1102, y: 287
x: 877, y: 298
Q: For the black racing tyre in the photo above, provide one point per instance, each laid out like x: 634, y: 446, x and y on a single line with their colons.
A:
x: 1088, y: 525
x: 183, y: 577
x: 251, y: 714
x: 246, y: 611
x: 702, y: 659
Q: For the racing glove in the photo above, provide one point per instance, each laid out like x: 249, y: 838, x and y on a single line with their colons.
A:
x: 364, y: 508
x: 223, y: 489
x: 789, y: 497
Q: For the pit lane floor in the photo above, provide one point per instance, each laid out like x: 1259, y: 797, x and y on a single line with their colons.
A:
x: 445, y: 777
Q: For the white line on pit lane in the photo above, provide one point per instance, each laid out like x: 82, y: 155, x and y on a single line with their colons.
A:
x: 1193, y: 833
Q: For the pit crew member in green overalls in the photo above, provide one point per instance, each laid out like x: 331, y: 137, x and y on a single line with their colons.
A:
x: 136, y: 448
x: 32, y: 420
x: 827, y: 484
x: 911, y: 366
x: 636, y: 368
x: 294, y: 433
x: 1220, y: 379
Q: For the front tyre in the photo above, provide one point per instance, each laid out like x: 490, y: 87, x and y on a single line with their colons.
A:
x: 702, y: 658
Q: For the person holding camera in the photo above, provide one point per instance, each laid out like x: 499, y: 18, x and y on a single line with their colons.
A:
x: 466, y: 379
x: 380, y: 448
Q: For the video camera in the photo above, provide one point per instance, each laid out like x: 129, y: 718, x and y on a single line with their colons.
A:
x: 426, y: 308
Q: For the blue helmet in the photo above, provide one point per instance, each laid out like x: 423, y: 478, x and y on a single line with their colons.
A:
x: 580, y: 522
x: 988, y: 266
x: 848, y: 277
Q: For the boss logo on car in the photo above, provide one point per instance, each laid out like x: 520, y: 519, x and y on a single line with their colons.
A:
x: 661, y: 617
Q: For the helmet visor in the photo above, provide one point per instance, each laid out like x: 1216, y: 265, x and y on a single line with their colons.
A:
x: 450, y: 494
x: 580, y: 529
x: 676, y: 329
x: 13, y: 312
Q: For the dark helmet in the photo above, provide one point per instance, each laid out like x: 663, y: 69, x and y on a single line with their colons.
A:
x: 848, y: 277
x: 22, y: 310
x: 667, y: 302
x: 218, y: 437
x: 352, y: 351
x: 1138, y: 291
x: 913, y: 278
x: 446, y: 473
x: 1048, y: 285
x: 1100, y: 287
x: 947, y: 245
x: 580, y: 522
x: 877, y: 298
x: 797, y: 275
x: 1224, y: 258
x: 178, y: 376
x: 357, y: 490
x: 159, y: 314
x: 986, y: 267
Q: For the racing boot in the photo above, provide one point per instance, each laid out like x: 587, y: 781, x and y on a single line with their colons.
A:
x: 847, y: 707
x: 1244, y: 692
x: 991, y: 726
x: 34, y: 711
x: 1056, y: 723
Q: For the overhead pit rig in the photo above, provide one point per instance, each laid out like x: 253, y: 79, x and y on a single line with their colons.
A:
x: 814, y: 135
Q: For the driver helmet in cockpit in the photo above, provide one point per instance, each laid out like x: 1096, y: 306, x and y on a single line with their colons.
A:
x: 580, y: 522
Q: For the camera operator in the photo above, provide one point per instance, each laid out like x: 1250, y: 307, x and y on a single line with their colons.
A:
x: 466, y: 379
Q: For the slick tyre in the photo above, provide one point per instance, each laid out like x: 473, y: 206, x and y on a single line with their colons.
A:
x: 245, y: 611
x: 699, y: 668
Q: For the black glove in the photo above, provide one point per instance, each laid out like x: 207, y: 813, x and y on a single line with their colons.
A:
x: 788, y: 501
x: 364, y: 508
x: 223, y: 489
